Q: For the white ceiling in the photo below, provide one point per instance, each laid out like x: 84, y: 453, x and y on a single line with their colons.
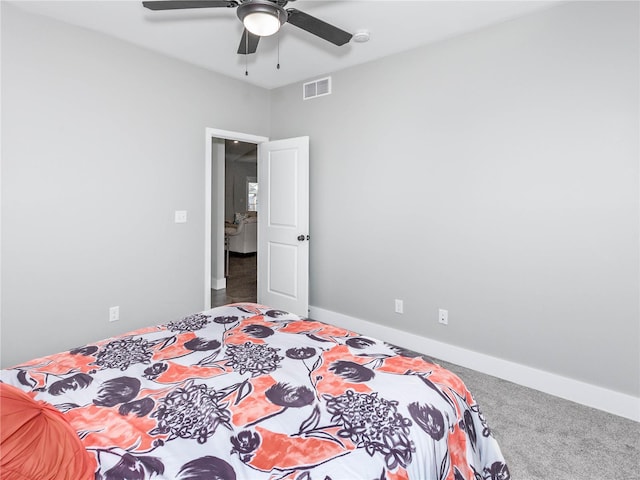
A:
x: 209, y: 37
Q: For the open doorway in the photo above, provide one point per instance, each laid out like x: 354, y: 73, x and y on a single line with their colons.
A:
x: 240, y: 224
x: 283, y: 231
x: 215, y: 191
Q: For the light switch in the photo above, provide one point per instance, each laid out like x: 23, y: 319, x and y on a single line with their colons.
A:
x: 181, y: 216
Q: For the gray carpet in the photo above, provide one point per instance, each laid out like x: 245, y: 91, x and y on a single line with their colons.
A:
x: 543, y: 437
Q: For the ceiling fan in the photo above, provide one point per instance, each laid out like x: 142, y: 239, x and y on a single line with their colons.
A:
x: 261, y: 18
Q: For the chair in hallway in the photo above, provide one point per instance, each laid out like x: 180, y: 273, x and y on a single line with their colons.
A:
x: 230, y: 230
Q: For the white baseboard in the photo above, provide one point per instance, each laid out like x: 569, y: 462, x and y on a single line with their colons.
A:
x: 218, y: 283
x: 570, y: 389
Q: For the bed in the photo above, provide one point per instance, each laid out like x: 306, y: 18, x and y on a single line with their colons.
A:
x: 248, y: 392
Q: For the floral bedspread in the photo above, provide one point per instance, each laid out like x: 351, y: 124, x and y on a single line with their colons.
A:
x: 247, y: 392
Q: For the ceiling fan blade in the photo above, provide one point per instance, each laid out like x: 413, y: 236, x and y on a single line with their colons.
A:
x: 319, y: 28
x: 181, y: 4
x: 248, y: 45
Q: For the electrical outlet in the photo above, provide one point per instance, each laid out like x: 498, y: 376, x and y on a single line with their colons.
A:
x: 114, y: 314
x: 399, y: 306
x: 443, y: 316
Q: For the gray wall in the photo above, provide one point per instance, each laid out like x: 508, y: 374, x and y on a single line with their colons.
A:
x: 101, y: 143
x: 494, y: 175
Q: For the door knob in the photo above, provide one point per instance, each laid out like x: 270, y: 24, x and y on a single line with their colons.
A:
x: 301, y: 238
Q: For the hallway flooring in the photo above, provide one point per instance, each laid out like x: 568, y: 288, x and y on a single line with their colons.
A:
x: 242, y: 281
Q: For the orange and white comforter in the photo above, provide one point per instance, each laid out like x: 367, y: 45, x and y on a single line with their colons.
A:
x: 245, y: 392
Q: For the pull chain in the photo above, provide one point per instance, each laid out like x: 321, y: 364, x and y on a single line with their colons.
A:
x: 278, y: 65
x: 246, y: 53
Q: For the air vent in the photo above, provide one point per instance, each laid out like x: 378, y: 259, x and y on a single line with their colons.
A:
x: 317, y: 88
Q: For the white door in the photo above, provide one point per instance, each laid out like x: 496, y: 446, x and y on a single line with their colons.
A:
x: 283, y: 225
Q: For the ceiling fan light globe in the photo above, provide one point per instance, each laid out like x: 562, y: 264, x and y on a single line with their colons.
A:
x: 261, y: 23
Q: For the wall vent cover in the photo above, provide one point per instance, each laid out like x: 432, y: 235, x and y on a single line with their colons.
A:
x: 317, y: 88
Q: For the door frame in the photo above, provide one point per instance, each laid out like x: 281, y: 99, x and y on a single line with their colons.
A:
x: 209, y: 238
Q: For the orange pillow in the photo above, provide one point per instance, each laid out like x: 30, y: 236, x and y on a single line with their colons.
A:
x: 37, y: 442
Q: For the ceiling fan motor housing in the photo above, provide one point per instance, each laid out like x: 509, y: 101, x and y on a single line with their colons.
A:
x: 262, y: 7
